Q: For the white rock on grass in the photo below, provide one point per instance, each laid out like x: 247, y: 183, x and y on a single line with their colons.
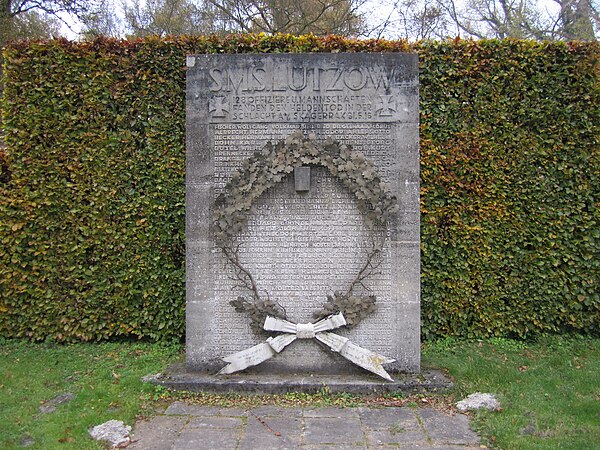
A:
x: 113, y: 431
x: 478, y: 400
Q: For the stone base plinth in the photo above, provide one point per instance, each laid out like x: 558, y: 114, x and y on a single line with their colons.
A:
x: 178, y: 377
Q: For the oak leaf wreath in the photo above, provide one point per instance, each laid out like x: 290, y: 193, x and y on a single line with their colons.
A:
x: 269, y: 166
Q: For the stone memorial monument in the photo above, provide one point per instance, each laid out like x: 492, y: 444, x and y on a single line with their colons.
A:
x: 302, y: 214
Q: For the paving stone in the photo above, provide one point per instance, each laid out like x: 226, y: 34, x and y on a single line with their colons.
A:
x: 183, y: 409
x: 455, y: 447
x: 233, y: 412
x: 207, y: 440
x: 190, y: 427
x: 423, y: 445
x: 448, y: 429
x: 396, y: 437
x: 248, y: 443
x: 383, y: 418
x: 276, y: 411
x: 158, y: 433
x: 335, y: 447
x: 286, y: 426
x: 325, y: 430
x: 272, y: 433
x: 331, y: 412
x: 215, y: 422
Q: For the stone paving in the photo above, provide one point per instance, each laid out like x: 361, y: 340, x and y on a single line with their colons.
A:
x: 183, y: 427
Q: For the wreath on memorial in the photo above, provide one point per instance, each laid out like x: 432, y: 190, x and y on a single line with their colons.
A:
x: 271, y: 165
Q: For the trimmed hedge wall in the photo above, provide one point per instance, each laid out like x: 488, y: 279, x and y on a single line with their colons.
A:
x: 92, y: 189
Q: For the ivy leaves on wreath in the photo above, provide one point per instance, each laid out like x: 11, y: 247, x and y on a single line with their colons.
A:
x: 269, y: 166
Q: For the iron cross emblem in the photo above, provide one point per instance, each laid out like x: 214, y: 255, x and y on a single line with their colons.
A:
x: 218, y: 106
x: 386, y: 105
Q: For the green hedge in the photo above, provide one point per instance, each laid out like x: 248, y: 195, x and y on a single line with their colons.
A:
x: 92, y: 197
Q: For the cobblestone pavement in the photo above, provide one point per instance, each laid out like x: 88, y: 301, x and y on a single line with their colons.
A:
x: 184, y: 427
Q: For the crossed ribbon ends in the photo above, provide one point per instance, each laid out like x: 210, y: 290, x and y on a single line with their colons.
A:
x: 253, y: 356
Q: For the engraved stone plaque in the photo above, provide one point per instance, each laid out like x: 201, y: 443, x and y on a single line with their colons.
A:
x: 303, y: 241
x: 302, y: 179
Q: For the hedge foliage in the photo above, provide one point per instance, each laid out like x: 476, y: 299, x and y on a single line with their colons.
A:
x: 510, y: 200
x: 92, y: 185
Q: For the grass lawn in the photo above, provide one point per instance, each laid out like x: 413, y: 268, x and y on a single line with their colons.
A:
x: 550, y: 390
x: 104, y: 378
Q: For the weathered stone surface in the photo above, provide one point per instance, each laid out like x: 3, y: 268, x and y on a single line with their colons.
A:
x: 186, y: 409
x: 50, y: 405
x: 158, y: 433
x: 397, y: 437
x: 335, y: 447
x: 213, y: 439
x: 276, y: 427
x: 390, y: 417
x: 478, y: 400
x: 326, y: 430
x: 272, y: 432
x: 339, y: 413
x: 301, y: 246
x: 452, y: 430
x: 268, y: 440
x: 115, y: 432
x: 302, y: 179
x: 276, y: 411
x: 179, y: 377
x: 215, y: 422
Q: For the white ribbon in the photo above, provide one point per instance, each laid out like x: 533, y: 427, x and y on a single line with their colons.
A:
x: 253, y: 356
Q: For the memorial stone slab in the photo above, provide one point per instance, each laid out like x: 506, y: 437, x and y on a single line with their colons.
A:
x: 306, y: 238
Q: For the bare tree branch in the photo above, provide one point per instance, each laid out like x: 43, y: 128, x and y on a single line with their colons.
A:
x: 291, y: 16
x: 372, y: 263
